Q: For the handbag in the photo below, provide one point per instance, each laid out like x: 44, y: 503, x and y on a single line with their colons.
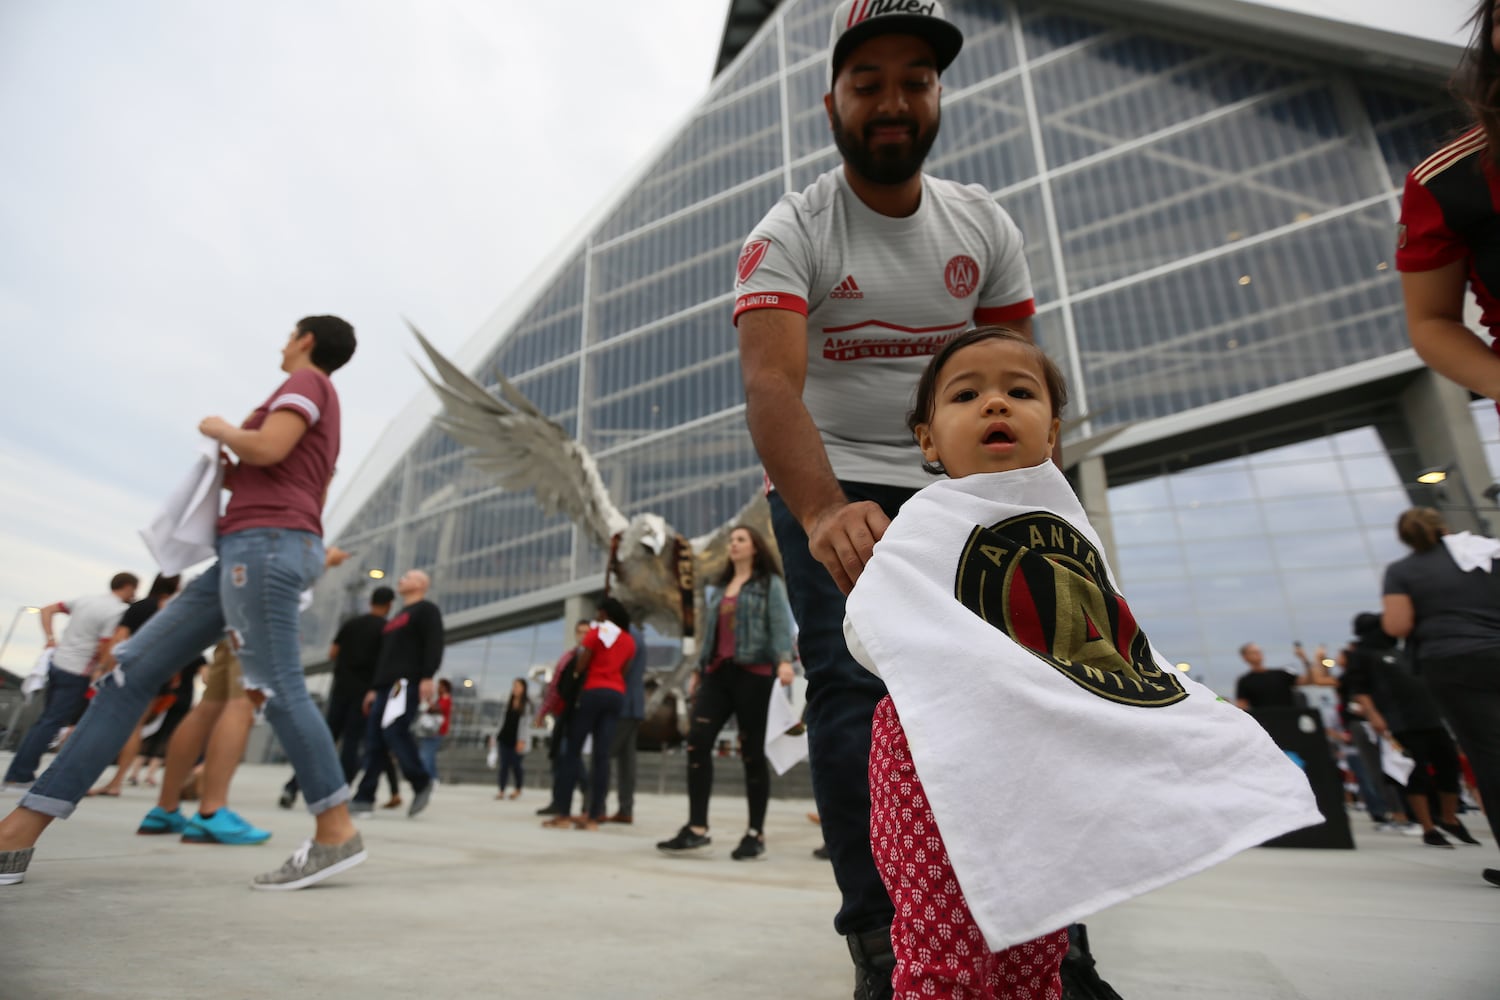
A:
x: 427, y: 725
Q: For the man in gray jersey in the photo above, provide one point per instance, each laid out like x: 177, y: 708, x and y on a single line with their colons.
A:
x: 843, y: 290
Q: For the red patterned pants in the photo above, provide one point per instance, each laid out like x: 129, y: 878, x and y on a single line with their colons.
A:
x: 940, y: 951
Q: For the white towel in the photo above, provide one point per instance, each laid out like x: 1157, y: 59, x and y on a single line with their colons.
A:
x: 1396, y: 765
x: 185, y: 531
x: 37, y: 679
x: 1067, y: 780
x: 784, y: 749
x: 395, y: 704
x: 1472, y: 552
x: 609, y: 633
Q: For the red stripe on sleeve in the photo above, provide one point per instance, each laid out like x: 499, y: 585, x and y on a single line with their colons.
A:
x: 769, y: 300
x: 1005, y: 314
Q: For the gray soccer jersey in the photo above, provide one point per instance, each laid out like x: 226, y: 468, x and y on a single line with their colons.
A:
x: 881, y: 295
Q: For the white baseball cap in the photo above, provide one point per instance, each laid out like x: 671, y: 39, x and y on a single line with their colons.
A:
x: 856, y: 21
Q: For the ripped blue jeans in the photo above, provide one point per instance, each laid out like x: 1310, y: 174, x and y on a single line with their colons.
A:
x: 251, y: 593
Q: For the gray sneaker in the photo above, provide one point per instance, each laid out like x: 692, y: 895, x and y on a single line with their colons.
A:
x: 420, y: 800
x: 13, y: 865
x: 312, y: 863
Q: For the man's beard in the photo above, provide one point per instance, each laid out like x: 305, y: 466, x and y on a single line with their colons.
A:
x: 886, y: 164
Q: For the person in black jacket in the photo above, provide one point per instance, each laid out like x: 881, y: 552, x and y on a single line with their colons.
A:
x: 354, y: 652
x: 411, y: 650
x: 509, y: 742
x: 1399, y: 707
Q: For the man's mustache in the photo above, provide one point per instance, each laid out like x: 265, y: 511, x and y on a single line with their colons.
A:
x: 878, y: 123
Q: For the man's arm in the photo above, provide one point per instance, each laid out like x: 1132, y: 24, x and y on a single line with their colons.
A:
x: 1372, y: 714
x: 773, y: 358
x: 267, y: 445
x: 1313, y: 671
x: 1435, y: 323
x: 46, y: 616
x: 432, y: 651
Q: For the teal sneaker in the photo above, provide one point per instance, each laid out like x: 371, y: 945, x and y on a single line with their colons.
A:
x: 158, y: 821
x: 223, y: 827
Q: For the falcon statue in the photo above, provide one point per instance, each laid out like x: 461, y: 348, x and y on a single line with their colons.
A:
x: 657, y: 573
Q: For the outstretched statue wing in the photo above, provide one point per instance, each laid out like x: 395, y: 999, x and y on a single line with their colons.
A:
x: 522, y: 448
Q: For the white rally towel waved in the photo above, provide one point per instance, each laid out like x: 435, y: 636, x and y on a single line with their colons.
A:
x: 1069, y: 778
x: 185, y: 531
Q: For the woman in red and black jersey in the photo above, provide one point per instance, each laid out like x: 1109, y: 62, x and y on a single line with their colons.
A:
x: 1449, y: 237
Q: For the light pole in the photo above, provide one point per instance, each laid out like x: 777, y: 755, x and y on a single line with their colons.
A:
x: 1438, y: 475
x: 24, y: 609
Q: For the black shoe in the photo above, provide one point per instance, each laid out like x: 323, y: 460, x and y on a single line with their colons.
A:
x: 821, y: 852
x: 1460, y: 832
x: 287, y: 798
x: 874, y: 963
x: 751, y: 848
x: 685, y: 841
x: 549, y: 810
x: 1492, y: 876
x: 1080, y: 979
x: 1434, y: 839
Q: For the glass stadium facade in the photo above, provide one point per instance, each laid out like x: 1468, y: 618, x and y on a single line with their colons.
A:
x: 1203, y: 223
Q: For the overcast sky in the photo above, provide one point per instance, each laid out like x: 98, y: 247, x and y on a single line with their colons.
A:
x: 180, y: 181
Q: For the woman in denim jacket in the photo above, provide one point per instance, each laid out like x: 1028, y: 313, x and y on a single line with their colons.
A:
x: 747, y: 649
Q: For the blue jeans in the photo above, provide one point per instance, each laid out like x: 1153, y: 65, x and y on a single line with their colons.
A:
x: 595, y: 715
x: 427, y: 749
x: 65, y: 699
x: 252, y: 593
x: 841, y: 700
x: 382, y: 741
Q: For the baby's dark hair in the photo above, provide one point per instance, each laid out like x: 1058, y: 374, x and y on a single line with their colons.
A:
x: 926, y: 398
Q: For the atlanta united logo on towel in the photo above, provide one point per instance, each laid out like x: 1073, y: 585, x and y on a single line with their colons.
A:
x: 1039, y: 581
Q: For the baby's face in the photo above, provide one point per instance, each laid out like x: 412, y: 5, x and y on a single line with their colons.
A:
x: 990, y: 411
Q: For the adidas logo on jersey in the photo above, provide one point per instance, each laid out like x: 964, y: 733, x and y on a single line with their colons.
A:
x: 846, y: 289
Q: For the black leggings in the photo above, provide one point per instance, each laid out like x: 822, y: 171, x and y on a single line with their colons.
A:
x: 1430, y: 748
x: 729, y: 690
x: 510, y: 763
x: 1468, y: 688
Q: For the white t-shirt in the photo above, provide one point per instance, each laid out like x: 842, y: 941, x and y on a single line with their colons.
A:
x: 89, y: 620
x: 881, y: 295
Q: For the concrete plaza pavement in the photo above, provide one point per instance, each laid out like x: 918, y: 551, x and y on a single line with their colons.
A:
x: 474, y: 898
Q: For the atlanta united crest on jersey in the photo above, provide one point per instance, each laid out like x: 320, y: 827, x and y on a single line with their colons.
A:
x: 880, y: 295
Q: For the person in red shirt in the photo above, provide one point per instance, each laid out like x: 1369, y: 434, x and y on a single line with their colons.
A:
x: 1447, y: 239
x: 270, y: 549
x: 428, y: 746
x: 602, y: 658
